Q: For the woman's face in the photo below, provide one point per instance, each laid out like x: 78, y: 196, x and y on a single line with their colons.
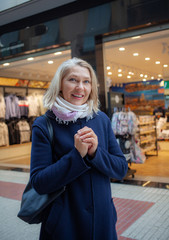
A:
x: 76, y: 85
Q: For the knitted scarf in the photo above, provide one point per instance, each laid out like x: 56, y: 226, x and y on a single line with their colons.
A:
x: 66, y: 112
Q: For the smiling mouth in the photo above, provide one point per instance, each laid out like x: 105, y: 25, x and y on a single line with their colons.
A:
x: 78, y: 95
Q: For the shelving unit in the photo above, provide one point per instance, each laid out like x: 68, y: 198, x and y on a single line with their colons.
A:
x: 147, y: 134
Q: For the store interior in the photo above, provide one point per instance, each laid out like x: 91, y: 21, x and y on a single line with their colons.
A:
x: 136, y: 71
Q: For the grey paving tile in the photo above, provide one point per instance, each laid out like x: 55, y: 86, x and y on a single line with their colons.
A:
x: 12, y: 228
x: 14, y: 176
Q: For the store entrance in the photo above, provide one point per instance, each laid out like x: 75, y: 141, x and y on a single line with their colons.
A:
x: 24, y: 80
x: 137, y: 70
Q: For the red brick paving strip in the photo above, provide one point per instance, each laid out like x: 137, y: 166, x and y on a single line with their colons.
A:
x: 128, y: 211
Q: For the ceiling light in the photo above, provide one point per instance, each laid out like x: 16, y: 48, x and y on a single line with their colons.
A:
x: 144, y: 79
x: 120, y: 75
x: 147, y: 58
x: 30, y: 59
x: 159, y: 75
x: 119, y: 70
x: 152, y: 77
x: 145, y: 76
x: 121, y: 49
x: 50, y: 62
x: 165, y: 65
x: 135, y: 54
x: 141, y: 75
x: 6, y: 64
x: 109, y: 73
x: 135, y: 37
x: 108, y: 68
x: 130, y: 73
x: 57, y: 53
x: 128, y: 76
x: 157, y: 62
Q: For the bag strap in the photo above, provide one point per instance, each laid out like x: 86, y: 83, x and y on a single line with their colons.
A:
x: 50, y: 129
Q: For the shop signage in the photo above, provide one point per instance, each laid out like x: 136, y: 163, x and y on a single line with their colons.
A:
x: 166, y: 84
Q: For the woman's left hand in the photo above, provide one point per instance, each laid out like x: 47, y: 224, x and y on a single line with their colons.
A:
x: 87, y: 135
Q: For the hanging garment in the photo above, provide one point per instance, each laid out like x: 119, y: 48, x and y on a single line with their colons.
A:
x: 125, y: 145
x: 33, y: 106
x: 4, y: 137
x: 24, y: 131
x: 2, y: 106
x: 13, y: 130
x: 12, y: 107
x: 23, y: 106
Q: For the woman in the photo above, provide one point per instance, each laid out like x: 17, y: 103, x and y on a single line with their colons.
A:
x: 86, y: 156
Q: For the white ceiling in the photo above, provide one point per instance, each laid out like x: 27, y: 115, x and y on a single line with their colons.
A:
x: 154, y: 45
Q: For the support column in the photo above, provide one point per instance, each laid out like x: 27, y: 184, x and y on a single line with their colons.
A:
x: 94, y: 56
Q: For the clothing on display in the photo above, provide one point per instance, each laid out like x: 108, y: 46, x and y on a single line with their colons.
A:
x: 35, y: 103
x: 17, y: 116
x: 12, y: 107
x: 4, y: 138
x: 125, y: 127
x: 2, y: 106
x: 23, y: 106
x: 14, y: 137
x: 24, y: 131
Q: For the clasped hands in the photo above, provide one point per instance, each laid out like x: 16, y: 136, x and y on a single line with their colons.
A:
x: 86, y: 142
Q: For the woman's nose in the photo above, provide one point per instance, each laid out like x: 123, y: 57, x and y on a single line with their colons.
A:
x: 80, y: 85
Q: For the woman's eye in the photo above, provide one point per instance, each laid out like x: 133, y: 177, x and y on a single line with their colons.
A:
x: 86, y: 81
x: 72, y: 80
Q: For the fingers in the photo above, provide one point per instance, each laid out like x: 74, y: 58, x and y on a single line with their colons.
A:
x: 88, y: 136
x: 81, y: 146
x: 86, y: 133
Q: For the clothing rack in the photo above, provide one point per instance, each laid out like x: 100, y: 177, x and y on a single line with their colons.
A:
x: 124, y: 136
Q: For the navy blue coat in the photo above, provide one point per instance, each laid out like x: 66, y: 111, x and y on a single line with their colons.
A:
x: 85, y: 211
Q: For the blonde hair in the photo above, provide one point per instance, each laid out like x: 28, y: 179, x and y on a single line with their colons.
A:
x: 54, y: 89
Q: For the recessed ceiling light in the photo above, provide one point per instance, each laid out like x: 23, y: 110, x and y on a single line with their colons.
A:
x: 141, y: 75
x: 165, y: 65
x: 57, y: 53
x: 157, y: 62
x: 50, y: 62
x: 128, y: 76
x: 120, y: 75
x: 135, y: 37
x: 30, y: 59
x: 144, y: 79
x: 109, y: 73
x: 121, y: 49
x: 152, y: 77
x: 159, y: 75
x: 6, y: 64
x: 147, y: 58
x: 119, y: 70
x: 108, y: 67
x: 135, y: 54
x: 145, y: 76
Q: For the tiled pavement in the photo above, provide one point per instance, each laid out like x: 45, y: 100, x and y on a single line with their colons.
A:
x: 143, y: 212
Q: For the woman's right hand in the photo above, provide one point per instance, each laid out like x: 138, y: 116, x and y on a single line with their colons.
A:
x: 81, y: 146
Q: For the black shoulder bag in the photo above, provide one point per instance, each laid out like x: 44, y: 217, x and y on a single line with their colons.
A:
x: 33, y: 204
